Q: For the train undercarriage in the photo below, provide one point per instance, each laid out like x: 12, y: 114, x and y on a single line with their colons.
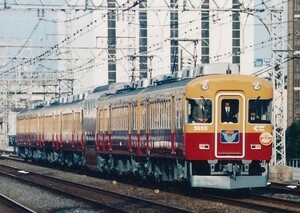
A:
x: 212, y: 174
x: 64, y: 158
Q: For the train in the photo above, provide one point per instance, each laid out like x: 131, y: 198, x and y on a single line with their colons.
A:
x: 147, y: 129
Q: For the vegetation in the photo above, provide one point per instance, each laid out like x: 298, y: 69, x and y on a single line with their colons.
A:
x: 293, y: 141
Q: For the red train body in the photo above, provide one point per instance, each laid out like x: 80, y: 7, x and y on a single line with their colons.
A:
x: 151, y: 131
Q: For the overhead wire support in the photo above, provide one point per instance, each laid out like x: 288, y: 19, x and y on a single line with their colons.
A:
x: 195, y: 42
x: 68, y: 39
x: 279, y: 146
x: 275, y: 30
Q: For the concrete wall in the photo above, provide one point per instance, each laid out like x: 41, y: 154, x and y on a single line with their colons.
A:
x: 284, y: 174
x: 280, y: 173
x: 296, y: 173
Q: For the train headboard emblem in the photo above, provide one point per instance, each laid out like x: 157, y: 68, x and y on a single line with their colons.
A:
x: 229, y: 136
x: 266, y: 138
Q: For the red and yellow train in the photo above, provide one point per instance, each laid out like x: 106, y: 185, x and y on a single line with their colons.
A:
x: 153, y: 131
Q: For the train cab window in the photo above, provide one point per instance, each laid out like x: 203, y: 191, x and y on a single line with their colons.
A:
x: 230, y: 110
x: 260, y: 111
x: 199, y: 110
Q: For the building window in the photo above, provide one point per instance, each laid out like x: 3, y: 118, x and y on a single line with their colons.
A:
x: 235, y: 33
x: 143, y: 41
x: 174, y: 36
x: 205, y: 32
x: 111, y: 40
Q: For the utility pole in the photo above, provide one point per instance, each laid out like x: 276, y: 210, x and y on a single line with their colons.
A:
x: 194, y: 54
x: 132, y: 59
x: 279, y: 147
x: 275, y: 30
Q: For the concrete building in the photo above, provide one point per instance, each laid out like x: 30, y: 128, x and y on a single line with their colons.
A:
x: 129, y: 41
x: 293, y: 81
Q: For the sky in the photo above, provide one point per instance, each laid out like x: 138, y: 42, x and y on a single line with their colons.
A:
x: 12, y: 21
x: 23, y: 28
x: 262, y: 34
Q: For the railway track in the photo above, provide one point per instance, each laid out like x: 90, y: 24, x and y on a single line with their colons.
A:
x: 9, y: 205
x: 251, y: 201
x: 255, y: 201
x: 285, y: 188
x: 104, y: 199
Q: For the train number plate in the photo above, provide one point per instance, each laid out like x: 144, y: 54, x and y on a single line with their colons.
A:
x: 200, y: 128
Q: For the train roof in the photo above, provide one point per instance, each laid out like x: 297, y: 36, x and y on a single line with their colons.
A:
x: 48, y: 109
x: 170, y: 85
x: 100, y: 88
x: 142, y: 86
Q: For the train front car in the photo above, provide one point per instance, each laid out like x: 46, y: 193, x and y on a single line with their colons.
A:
x: 228, y: 131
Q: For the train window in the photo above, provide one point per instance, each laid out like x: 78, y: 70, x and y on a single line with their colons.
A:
x: 178, y: 115
x: 144, y: 116
x: 230, y: 109
x: 167, y: 114
x: 160, y: 113
x: 199, y: 110
x: 260, y: 111
x: 134, y: 117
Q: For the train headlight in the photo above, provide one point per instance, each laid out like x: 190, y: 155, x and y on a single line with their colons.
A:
x: 266, y: 138
x: 204, y: 85
x: 256, y: 86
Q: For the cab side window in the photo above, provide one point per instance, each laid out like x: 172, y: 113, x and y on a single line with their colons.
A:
x: 260, y: 111
x: 199, y: 111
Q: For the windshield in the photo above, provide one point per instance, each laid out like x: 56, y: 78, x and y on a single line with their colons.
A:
x: 260, y: 111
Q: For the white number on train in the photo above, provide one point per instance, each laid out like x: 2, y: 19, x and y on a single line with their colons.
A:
x: 200, y: 128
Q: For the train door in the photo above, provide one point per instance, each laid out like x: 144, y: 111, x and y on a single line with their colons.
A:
x: 230, y: 125
x: 89, y: 126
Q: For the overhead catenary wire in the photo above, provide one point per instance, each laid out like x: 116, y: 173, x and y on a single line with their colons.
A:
x: 85, y: 30
x: 25, y: 43
x: 68, y: 39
